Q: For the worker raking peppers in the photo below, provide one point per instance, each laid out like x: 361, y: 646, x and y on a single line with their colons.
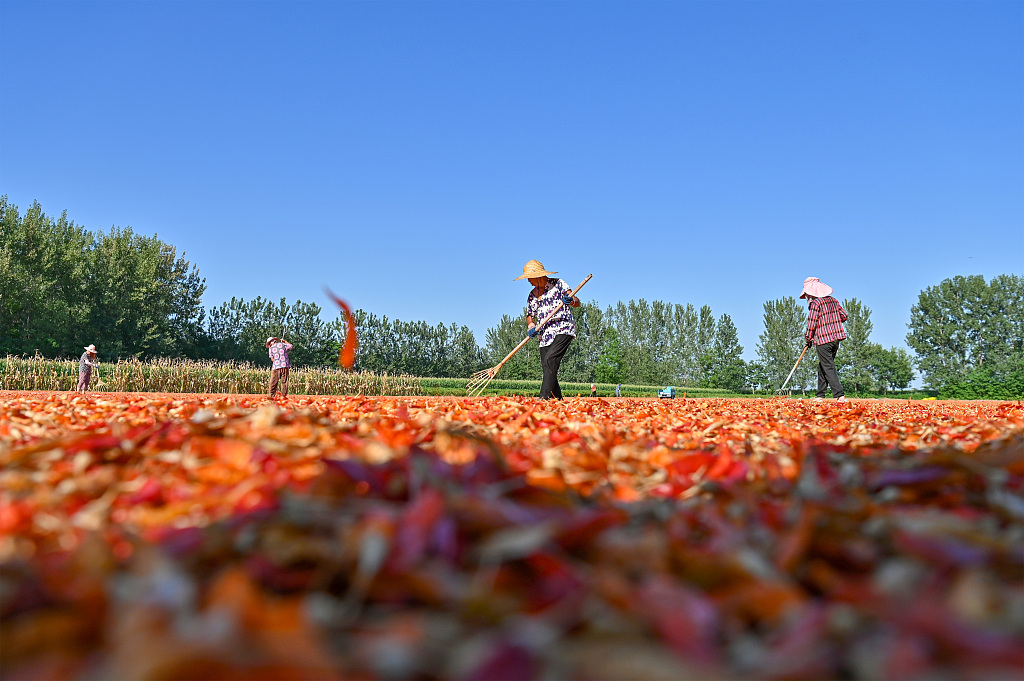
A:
x: 547, y: 295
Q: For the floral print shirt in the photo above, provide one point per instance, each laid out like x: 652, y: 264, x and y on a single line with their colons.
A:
x: 540, y: 308
x: 85, y: 364
x: 279, y: 354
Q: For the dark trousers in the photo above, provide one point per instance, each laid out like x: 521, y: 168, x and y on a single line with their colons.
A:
x: 279, y: 377
x: 827, y: 376
x: 550, y: 360
x: 83, y: 380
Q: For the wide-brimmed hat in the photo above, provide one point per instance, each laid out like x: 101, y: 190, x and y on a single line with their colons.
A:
x: 814, y: 288
x: 532, y: 270
x: 90, y: 348
x: 271, y: 340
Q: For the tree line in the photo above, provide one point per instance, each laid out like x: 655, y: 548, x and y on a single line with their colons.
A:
x: 62, y: 286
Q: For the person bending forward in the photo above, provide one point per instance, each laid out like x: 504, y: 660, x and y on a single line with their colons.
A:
x: 547, y: 294
x: 86, y: 363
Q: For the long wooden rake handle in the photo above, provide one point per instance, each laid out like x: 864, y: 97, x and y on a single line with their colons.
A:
x: 493, y: 371
x: 791, y: 371
x: 539, y: 326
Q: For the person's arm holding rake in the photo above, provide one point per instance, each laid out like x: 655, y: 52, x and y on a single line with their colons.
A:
x: 533, y: 330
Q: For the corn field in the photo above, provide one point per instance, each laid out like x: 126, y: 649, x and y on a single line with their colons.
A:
x: 191, y: 376
x: 196, y: 376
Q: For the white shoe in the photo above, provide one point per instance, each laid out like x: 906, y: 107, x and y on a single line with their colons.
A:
x: 841, y: 399
x: 818, y: 399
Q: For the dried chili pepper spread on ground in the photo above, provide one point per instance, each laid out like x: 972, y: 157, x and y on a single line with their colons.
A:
x: 225, y: 537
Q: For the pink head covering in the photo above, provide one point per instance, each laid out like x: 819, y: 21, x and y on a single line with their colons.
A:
x: 814, y: 288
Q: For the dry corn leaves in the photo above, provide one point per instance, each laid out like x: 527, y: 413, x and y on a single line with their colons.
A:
x: 178, y: 537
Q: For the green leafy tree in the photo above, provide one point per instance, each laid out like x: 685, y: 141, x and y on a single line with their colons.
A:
x: 377, y: 346
x: 466, y: 357
x: 758, y: 376
x: 416, y: 347
x: 238, y: 330
x: 147, y: 301
x: 963, y: 324
x: 123, y: 288
x: 315, y: 341
x: 44, y: 272
x: 703, y: 345
x: 580, y: 360
x: 501, y: 339
x: 421, y: 349
x: 727, y: 368
x: 684, y: 353
x: 62, y: 287
x: 1005, y: 332
x: 782, y: 341
x: 857, y: 354
x: 893, y: 368
x: 609, y: 363
x: 643, y: 330
x: 181, y: 301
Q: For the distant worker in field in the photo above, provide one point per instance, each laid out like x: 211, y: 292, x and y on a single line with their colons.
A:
x: 618, y: 389
x: 825, y: 319
x: 593, y: 390
x: 545, y: 297
x: 86, y: 363
x: 278, y: 348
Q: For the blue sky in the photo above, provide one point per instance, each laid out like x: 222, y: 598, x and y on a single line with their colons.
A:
x: 413, y: 156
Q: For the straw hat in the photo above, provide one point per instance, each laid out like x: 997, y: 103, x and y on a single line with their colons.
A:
x: 533, y: 269
x: 814, y: 288
x: 271, y: 340
x: 90, y: 348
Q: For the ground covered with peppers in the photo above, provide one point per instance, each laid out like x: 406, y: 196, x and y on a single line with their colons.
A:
x: 173, y: 537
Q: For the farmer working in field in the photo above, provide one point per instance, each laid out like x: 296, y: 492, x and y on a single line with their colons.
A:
x: 86, y: 363
x: 278, y: 348
x: 824, y: 330
x: 548, y: 294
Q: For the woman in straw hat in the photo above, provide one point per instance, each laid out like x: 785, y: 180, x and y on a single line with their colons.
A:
x: 85, y: 366
x: 825, y: 319
x: 545, y: 297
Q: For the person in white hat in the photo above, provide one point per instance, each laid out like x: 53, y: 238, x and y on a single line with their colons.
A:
x: 86, y: 363
x: 825, y: 319
x: 278, y: 349
x: 547, y: 295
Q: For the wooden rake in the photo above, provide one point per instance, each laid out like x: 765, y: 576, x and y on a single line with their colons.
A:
x: 479, y: 381
x: 781, y: 391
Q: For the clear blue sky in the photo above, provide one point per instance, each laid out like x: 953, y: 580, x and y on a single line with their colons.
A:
x: 412, y: 156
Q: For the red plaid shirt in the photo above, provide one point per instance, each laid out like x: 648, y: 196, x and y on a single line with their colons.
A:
x: 825, y: 321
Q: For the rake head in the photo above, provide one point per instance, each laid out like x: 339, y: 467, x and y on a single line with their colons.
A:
x: 478, y: 382
x: 783, y: 392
